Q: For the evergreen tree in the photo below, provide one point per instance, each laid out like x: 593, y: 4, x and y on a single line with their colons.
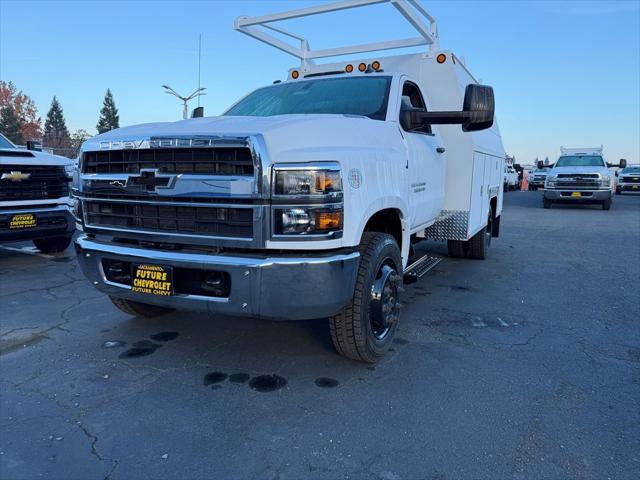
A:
x: 109, y: 118
x: 56, y: 134
x: 10, y: 124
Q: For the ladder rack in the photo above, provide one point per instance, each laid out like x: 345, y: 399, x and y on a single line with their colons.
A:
x: 260, y: 28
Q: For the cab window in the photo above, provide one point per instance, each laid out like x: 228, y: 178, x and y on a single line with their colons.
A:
x: 412, y: 98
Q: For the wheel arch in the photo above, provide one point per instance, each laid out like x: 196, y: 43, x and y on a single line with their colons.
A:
x: 388, y: 217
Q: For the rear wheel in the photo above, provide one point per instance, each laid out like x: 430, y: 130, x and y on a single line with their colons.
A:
x: 364, y: 329
x: 456, y: 248
x: 479, y: 244
x: 52, y: 245
x: 546, y: 203
x: 138, y: 309
x: 606, y: 205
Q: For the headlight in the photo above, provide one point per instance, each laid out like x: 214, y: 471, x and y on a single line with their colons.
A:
x: 308, y: 221
x: 302, y: 181
x: 606, y: 181
x: 70, y: 170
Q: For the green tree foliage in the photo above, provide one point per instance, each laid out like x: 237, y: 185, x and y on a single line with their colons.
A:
x: 56, y: 134
x: 18, y: 107
x: 10, y: 124
x: 109, y: 118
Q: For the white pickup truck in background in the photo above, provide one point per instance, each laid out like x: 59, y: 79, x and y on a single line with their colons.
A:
x: 580, y: 175
x: 305, y: 198
x: 34, y: 197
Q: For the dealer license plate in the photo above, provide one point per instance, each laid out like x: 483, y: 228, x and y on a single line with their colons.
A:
x: 152, y: 280
x: 576, y: 194
x: 635, y: 187
x: 23, y: 220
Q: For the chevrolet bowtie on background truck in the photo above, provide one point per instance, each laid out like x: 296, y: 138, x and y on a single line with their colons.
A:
x: 580, y: 176
x: 305, y: 198
x: 34, y: 197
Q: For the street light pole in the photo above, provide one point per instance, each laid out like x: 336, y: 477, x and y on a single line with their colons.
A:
x: 185, y: 100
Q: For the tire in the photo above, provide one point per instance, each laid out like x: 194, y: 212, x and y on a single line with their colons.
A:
x: 358, y: 332
x: 138, y: 309
x: 52, y: 245
x: 479, y: 244
x: 546, y: 203
x: 606, y: 204
x: 618, y: 191
x: 457, y: 248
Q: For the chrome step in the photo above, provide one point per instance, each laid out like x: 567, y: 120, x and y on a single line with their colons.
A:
x: 420, y: 267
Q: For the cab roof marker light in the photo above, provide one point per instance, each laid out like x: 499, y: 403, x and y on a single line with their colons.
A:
x: 295, y: 74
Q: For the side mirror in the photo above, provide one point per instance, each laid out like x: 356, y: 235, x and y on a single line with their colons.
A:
x: 623, y: 163
x: 540, y: 164
x: 33, y: 145
x: 410, y: 118
x: 477, y: 113
x: 198, y: 112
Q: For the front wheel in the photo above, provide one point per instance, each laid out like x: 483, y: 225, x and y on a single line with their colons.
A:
x: 364, y: 329
x: 546, y: 203
x: 52, y: 245
x: 618, y: 191
x: 606, y: 204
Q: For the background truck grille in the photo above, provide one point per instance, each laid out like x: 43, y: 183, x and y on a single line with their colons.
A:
x: 579, y: 176
x: 208, y: 221
x: 198, y: 161
x: 45, y: 182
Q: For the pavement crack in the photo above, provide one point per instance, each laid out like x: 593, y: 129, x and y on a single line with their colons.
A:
x: 94, y: 450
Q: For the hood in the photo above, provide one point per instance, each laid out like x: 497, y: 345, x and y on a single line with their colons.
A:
x: 19, y: 156
x: 285, y: 136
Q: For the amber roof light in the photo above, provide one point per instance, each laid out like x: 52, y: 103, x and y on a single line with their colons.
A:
x: 348, y: 68
x: 362, y: 67
x: 295, y: 74
x: 375, y: 65
x: 441, y: 58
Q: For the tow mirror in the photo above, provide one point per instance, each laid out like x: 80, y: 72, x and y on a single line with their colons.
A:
x: 622, y: 164
x: 33, y: 145
x: 198, y: 112
x: 477, y: 113
x: 540, y: 164
x: 410, y: 118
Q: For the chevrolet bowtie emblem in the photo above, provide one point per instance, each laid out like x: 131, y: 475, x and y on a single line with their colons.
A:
x: 15, y: 176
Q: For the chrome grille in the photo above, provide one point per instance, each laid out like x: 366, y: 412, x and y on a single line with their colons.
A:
x: 170, y: 219
x: 198, y: 161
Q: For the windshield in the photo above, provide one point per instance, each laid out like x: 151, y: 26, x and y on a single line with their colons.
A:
x: 541, y: 170
x: 580, y: 161
x: 631, y: 170
x: 4, y: 143
x: 364, y: 96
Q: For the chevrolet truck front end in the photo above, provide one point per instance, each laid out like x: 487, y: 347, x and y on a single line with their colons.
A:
x: 184, y: 223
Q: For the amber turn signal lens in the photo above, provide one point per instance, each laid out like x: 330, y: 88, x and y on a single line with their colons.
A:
x: 441, y: 58
x: 348, y: 68
x: 375, y: 65
x: 362, y: 67
x: 324, y: 183
x: 328, y: 220
x: 295, y: 74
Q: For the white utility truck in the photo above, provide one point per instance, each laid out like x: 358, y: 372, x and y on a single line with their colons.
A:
x: 34, y: 197
x: 580, y: 175
x: 305, y: 198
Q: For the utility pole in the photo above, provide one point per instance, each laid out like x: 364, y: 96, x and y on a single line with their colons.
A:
x: 199, y: 58
x: 185, y: 100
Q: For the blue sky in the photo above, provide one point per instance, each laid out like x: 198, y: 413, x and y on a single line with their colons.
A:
x: 565, y: 72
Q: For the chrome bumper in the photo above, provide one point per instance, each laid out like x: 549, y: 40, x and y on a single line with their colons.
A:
x: 281, y: 287
x: 586, y: 195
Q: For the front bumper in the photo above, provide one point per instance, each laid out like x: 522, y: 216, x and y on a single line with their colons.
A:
x: 629, y: 187
x: 53, y: 221
x: 585, y: 195
x: 278, y: 287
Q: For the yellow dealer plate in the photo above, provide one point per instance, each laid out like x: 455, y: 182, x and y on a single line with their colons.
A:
x: 24, y: 220
x: 576, y: 194
x: 635, y: 187
x: 152, y: 280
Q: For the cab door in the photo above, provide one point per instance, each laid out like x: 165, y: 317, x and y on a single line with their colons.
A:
x: 426, y: 163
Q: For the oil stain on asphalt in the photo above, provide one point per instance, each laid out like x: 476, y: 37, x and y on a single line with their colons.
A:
x: 164, y: 336
x: 324, y: 382
x: 214, y: 377
x: 267, y: 383
x: 140, y: 349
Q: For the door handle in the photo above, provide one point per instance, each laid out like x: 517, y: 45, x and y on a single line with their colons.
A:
x: 440, y: 149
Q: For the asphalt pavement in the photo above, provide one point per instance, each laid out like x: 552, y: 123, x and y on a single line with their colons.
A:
x: 526, y: 365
